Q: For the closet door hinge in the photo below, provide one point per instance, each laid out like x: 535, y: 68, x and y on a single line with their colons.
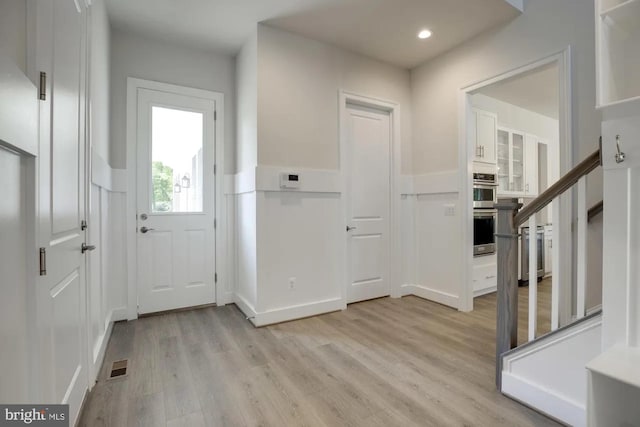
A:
x: 215, y: 278
x: 43, y: 262
x: 43, y: 86
x: 215, y: 224
x: 215, y: 116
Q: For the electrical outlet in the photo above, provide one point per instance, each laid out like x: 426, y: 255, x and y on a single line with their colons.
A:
x: 449, y: 210
x: 292, y: 282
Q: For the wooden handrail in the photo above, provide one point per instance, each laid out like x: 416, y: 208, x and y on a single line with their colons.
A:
x: 565, y: 183
x: 595, y: 210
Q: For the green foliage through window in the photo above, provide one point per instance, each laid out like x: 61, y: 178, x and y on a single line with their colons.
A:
x: 162, y: 187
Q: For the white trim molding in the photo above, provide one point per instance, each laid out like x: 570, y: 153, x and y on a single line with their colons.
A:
x: 267, y: 178
x: 434, y: 295
x: 133, y: 86
x: 284, y: 314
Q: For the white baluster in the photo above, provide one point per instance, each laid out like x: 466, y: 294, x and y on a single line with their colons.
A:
x: 533, y: 277
x: 557, y: 268
x: 582, y: 248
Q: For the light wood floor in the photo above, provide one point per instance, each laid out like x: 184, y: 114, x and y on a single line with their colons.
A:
x: 386, y: 362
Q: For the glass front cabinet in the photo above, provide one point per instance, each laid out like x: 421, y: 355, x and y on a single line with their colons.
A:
x: 510, y: 162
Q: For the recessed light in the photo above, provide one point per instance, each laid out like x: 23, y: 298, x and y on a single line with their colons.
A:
x: 424, y: 34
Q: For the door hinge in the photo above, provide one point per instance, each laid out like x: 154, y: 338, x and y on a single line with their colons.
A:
x: 215, y: 116
x: 83, y: 224
x: 215, y: 223
x: 43, y: 86
x: 215, y: 278
x: 43, y: 262
x: 215, y: 169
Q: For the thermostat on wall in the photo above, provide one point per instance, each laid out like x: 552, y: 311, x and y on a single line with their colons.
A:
x: 289, y: 180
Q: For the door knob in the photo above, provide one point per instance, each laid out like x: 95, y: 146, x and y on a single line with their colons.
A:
x: 84, y: 248
x: 350, y: 228
x: 145, y: 230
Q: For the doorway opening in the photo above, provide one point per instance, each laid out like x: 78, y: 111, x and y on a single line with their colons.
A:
x: 516, y: 143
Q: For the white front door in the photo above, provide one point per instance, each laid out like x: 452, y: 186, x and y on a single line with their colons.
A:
x: 368, y: 169
x: 61, y: 293
x: 175, y: 201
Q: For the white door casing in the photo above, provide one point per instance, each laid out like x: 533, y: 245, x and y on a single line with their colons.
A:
x: 60, y: 51
x: 368, y: 203
x: 176, y: 258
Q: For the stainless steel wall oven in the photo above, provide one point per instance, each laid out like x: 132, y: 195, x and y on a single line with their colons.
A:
x: 484, y: 229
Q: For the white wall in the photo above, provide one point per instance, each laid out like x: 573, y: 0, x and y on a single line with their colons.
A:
x: 299, y: 234
x: 298, y: 83
x: 247, y: 105
x: 100, y: 87
x: 13, y: 31
x: 136, y: 56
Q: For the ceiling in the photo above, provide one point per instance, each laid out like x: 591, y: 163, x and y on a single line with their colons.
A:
x: 382, y: 29
x: 536, y: 91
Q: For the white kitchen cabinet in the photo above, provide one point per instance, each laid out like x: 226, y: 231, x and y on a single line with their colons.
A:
x: 485, y: 274
x: 531, y: 166
x: 484, y: 128
x: 517, y: 159
x: 510, y: 160
x: 548, y: 250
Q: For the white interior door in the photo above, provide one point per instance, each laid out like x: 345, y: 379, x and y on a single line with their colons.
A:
x: 368, y: 169
x: 175, y: 201
x: 61, y: 293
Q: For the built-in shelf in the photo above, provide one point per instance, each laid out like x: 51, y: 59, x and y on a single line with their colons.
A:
x: 626, y: 14
x: 618, y: 56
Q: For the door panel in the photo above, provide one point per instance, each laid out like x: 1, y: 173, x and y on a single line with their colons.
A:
x: 65, y: 103
x: 175, y: 201
x: 369, y: 137
x: 61, y: 293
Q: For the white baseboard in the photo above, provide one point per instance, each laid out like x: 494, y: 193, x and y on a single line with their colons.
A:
x: 480, y: 292
x: 118, y: 314
x: 543, y: 400
x: 286, y: 314
x: 245, y: 306
x: 225, y: 298
x: 431, y: 295
x: 100, y: 348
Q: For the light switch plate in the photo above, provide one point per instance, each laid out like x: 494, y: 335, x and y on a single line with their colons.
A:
x: 449, y: 210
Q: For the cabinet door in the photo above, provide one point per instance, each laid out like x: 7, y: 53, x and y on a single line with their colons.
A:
x: 486, y: 126
x: 517, y: 162
x: 504, y: 164
x: 531, y: 166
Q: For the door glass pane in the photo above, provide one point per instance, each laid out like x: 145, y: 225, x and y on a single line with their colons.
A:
x: 503, y: 160
x: 518, y: 162
x: 176, y: 160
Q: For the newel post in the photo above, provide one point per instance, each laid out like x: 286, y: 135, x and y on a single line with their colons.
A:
x: 507, y: 305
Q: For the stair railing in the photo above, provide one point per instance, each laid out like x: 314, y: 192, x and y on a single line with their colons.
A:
x: 510, y: 218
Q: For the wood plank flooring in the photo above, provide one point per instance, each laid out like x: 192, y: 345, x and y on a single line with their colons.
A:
x: 386, y: 362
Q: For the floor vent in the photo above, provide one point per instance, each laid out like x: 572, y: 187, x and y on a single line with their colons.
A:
x: 118, y: 369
